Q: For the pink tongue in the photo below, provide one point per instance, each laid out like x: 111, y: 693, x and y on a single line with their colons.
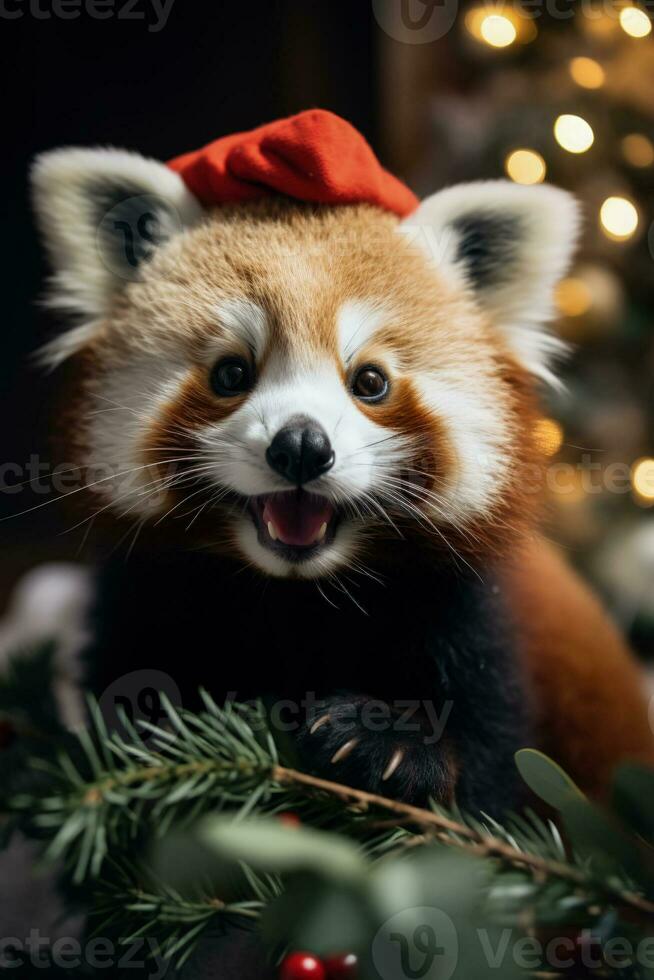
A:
x: 297, y: 517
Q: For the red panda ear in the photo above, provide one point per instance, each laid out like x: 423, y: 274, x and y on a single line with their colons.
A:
x: 102, y: 212
x: 509, y: 244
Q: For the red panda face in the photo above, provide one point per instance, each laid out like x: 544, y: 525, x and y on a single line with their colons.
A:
x: 297, y: 386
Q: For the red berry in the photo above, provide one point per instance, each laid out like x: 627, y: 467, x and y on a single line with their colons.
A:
x: 342, y: 967
x: 302, y: 966
x: 289, y: 819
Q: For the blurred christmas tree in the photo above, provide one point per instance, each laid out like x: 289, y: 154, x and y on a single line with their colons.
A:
x: 564, y: 93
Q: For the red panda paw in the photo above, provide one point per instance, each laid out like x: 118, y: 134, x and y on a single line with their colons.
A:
x: 364, y: 743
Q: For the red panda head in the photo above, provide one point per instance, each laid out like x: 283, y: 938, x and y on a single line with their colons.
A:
x: 299, y: 385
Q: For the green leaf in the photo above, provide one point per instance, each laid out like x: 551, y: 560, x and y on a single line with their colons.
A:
x: 595, y: 834
x: 546, y: 779
x: 429, y: 916
x: 633, y: 798
x: 453, y: 881
x: 268, y: 845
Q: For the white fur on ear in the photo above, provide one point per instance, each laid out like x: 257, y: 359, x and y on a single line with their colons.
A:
x: 101, y: 211
x: 510, y: 244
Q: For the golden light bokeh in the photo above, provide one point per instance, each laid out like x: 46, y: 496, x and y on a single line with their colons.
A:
x: 637, y: 150
x: 473, y: 21
x: 642, y: 479
x: 587, y: 72
x: 497, y: 30
x: 635, y: 22
x: 618, y: 218
x: 549, y: 436
x: 499, y: 26
x: 573, y: 297
x: 525, y: 167
x: 573, y: 133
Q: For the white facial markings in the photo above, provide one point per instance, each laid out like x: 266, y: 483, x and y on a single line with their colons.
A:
x: 128, y: 403
x: 244, y: 319
x: 286, y: 390
x: 369, y: 456
x: 133, y: 400
x: 478, y: 430
x: 476, y: 425
x: 357, y: 322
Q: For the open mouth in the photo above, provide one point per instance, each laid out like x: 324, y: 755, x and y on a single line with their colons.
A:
x: 295, y: 523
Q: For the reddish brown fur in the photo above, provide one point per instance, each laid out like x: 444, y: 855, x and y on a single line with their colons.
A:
x: 301, y: 264
x: 589, y: 691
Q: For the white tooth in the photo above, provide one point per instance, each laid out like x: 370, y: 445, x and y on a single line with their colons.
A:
x: 271, y: 531
x: 322, y: 532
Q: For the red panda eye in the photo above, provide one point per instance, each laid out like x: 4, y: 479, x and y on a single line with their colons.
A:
x: 230, y: 376
x: 370, y: 384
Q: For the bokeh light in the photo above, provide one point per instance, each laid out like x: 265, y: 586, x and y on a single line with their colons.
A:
x: 525, y: 167
x: 635, y: 22
x: 637, y: 150
x: 618, y: 218
x: 573, y: 133
x: 499, y: 26
x: 549, y: 436
x: 587, y: 72
x: 642, y: 480
x: 573, y: 297
x: 498, y: 31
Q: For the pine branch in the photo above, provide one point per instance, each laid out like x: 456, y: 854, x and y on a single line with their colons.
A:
x: 121, y: 788
x: 465, y: 837
x: 135, y: 902
x: 113, y: 796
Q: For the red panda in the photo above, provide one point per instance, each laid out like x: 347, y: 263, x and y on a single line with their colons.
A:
x: 320, y: 421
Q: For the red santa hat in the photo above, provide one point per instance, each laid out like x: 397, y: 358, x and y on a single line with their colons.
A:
x: 314, y: 156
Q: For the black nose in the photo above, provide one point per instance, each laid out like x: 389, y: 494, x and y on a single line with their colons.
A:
x: 300, y: 452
